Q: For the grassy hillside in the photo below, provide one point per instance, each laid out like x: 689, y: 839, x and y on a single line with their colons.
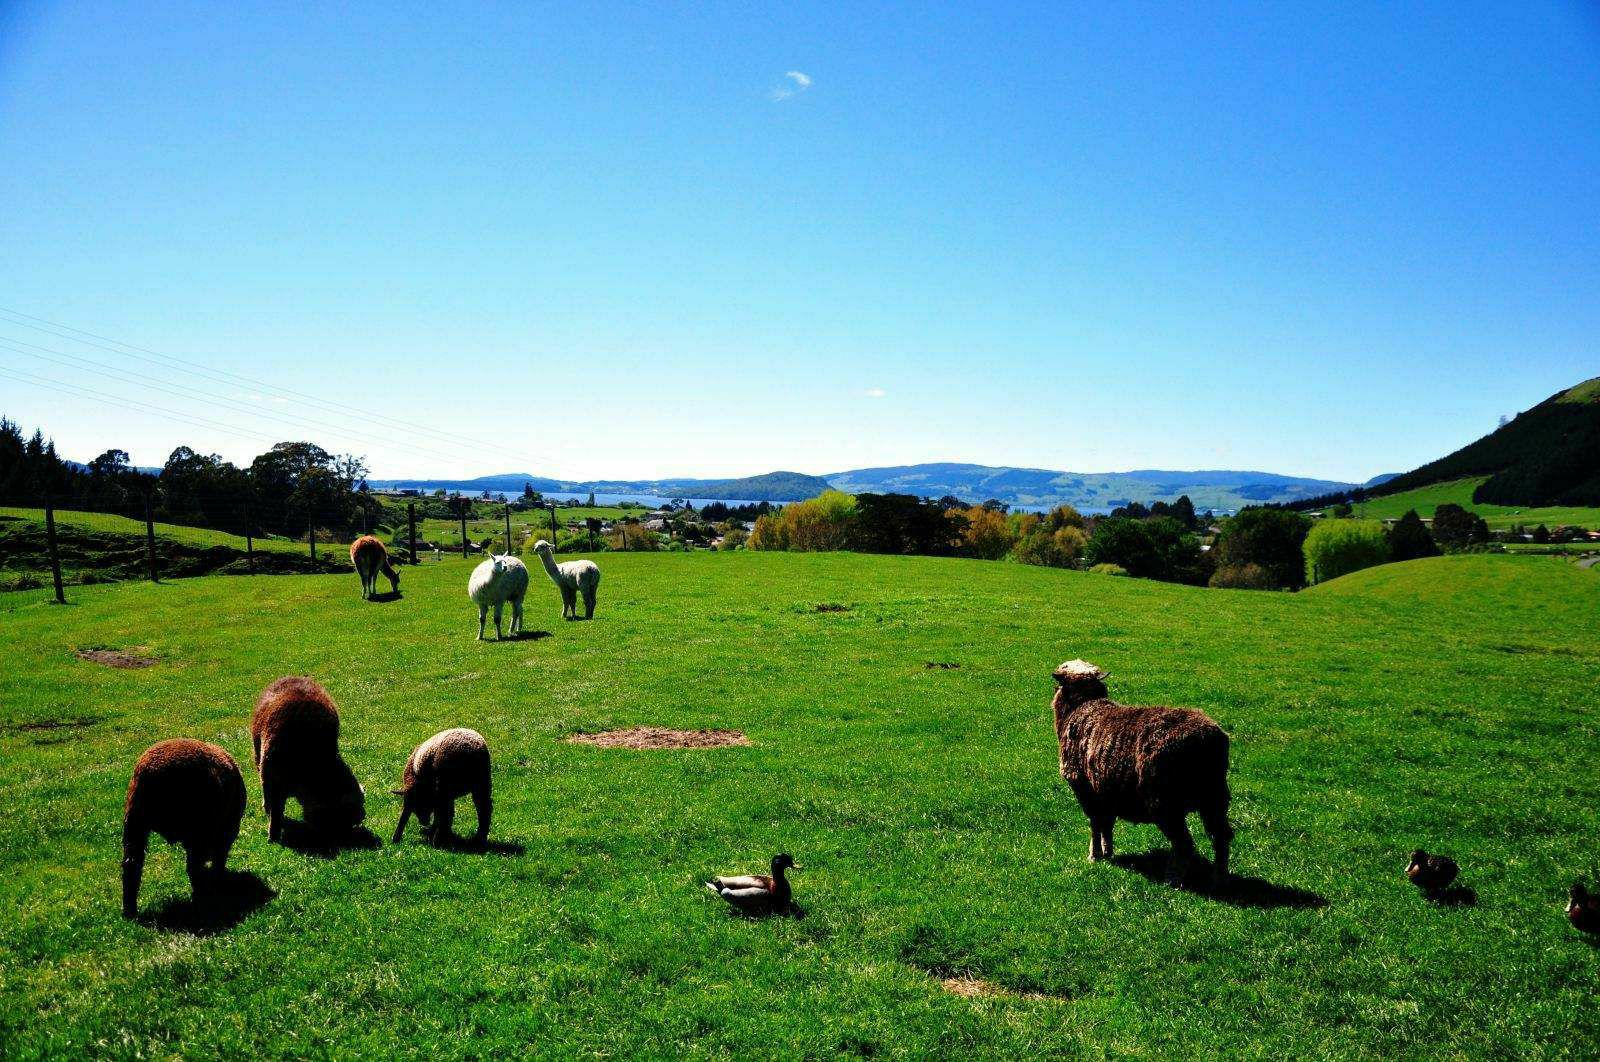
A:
x: 1426, y: 499
x: 1448, y: 703
x: 1547, y: 455
x: 99, y: 547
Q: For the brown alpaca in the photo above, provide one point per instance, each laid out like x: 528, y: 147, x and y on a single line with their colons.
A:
x: 370, y: 557
x: 448, y: 765
x: 1141, y: 764
x: 190, y: 793
x: 295, y: 732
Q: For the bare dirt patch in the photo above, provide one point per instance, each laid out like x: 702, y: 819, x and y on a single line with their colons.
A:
x: 978, y: 988
x: 74, y: 723
x: 941, y: 665
x: 655, y: 737
x: 116, y: 658
x: 830, y: 606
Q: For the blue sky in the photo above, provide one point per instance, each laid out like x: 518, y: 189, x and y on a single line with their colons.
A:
x: 1329, y: 240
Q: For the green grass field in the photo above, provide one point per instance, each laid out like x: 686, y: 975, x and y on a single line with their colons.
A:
x: 1426, y: 499
x: 524, y: 525
x: 1448, y: 703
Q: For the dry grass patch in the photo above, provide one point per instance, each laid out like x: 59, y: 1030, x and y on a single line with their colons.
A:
x: 655, y: 737
x: 118, y: 658
x: 978, y: 988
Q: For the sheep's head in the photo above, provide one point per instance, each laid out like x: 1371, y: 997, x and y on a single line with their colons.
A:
x: 1081, y: 680
x: 335, y: 802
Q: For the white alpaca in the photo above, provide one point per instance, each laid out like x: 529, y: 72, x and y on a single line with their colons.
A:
x: 494, y: 582
x: 572, y: 578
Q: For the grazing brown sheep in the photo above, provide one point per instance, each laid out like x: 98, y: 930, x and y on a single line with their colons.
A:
x: 369, y: 556
x: 1141, y: 764
x: 448, y: 765
x: 191, y: 793
x: 295, y: 731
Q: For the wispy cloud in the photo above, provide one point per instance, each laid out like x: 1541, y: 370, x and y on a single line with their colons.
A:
x: 798, y: 82
x: 875, y: 392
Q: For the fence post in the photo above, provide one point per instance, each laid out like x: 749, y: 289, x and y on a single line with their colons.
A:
x: 55, y: 557
x: 508, y: 529
x: 150, y: 539
x: 311, y: 537
x: 411, y: 518
x: 463, y: 532
x: 249, y: 539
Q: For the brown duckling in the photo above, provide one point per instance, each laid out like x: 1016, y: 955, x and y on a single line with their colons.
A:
x: 758, y: 893
x: 1431, y: 873
x: 1583, y: 909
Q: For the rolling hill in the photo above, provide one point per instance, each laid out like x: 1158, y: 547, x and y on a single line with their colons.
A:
x: 1089, y: 491
x: 769, y: 486
x: 1547, y: 456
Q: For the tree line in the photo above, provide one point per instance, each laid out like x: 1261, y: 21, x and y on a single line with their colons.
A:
x: 288, y: 490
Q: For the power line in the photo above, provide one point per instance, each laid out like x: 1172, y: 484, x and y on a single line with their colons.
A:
x: 116, y: 400
x: 225, y: 376
x: 77, y: 361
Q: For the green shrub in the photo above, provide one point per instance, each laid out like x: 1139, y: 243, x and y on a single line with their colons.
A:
x: 1053, y: 549
x: 1339, y: 547
x: 1270, y: 538
x: 1243, y: 577
x: 1108, y: 569
x: 1409, y: 539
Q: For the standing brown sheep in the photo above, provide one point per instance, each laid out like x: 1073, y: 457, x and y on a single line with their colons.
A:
x: 448, y: 765
x: 295, y: 731
x: 1141, y: 764
x: 191, y: 793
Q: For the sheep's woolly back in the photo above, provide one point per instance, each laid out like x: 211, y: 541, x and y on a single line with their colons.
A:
x: 453, y: 759
x: 1136, y: 762
x: 502, y: 578
x: 190, y: 792
x: 297, y: 711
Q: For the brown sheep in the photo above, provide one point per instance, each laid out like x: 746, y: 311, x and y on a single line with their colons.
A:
x: 370, y: 557
x: 191, y: 793
x: 295, y: 731
x: 1141, y: 764
x: 448, y: 765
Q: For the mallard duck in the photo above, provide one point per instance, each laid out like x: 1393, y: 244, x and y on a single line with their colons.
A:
x: 758, y: 893
x: 1583, y: 909
x: 1431, y: 873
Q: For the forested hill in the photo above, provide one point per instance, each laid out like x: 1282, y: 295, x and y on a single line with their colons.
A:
x: 1549, y: 455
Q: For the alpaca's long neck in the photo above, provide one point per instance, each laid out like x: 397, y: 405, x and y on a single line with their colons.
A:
x: 550, y: 565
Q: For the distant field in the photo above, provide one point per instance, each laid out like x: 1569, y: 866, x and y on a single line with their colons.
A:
x: 1426, y: 499
x: 99, y: 547
x: 1448, y: 703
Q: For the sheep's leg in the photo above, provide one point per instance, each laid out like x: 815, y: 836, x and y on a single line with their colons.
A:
x: 273, y: 799
x: 1176, y: 831
x: 1221, y: 834
x: 195, y: 864
x: 1100, y: 838
x: 135, y: 839
x: 444, y: 822
x: 483, y: 614
x: 484, y: 803
x: 405, y: 815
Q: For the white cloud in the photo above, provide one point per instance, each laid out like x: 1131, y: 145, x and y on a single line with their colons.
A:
x: 798, y: 83
x: 875, y: 392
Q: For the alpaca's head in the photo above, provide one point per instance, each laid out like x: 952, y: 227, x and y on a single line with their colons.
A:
x: 1080, y: 681
x: 544, y: 547
x: 394, y: 577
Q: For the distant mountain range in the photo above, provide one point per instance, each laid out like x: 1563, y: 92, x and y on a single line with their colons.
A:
x: 1548, y: 455
x: 1027, y: 487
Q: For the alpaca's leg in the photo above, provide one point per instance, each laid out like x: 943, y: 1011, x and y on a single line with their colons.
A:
x: 272, y: 797
x: 588, y: 602
x: 444, y: 822
x: 1215, y: 819
x: 516, y: 616
x: 1176, y: 830
x: 569, y: 603
x: 499, y: 610
x: 483, y: 613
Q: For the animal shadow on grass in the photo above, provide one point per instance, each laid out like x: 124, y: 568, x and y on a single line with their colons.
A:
x: 468, y: 846
x: 794, y: 911
x: 1237, y: 891
x: 1454, y: 896
x: 221, y: 905
x: 523, y: 636
x: 299, y: 837
x: 385, y: 598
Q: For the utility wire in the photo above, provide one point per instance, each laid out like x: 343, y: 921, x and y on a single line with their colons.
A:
x: 226, y: 376
x: 52, y: 355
